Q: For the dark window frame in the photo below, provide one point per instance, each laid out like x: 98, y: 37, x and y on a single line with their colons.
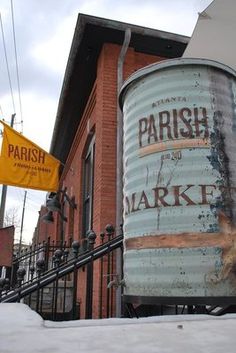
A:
x: 88, y: 187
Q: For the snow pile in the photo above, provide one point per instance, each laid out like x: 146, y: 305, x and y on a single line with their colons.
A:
x: 24, y: 331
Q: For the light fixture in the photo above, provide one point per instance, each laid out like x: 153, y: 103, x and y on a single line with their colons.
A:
x: 54, y: 204
x: 48, y: 217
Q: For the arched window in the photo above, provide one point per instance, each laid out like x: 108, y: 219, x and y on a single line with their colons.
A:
x: 88, y: 180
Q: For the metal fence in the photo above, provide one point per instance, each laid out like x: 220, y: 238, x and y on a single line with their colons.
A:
x: 67, y: 281
x: 34, y: 257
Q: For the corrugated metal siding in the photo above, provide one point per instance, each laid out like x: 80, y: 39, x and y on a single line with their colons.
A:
x: 179, y: 179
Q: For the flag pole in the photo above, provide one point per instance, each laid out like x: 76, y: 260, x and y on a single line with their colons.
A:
x: 22, y: 222
x: 4, y: 190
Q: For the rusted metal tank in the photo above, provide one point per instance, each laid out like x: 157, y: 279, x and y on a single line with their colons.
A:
x: 180, y: 182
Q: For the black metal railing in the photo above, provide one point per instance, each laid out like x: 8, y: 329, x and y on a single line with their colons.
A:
x: 29, y: 257
x: 77, y: 280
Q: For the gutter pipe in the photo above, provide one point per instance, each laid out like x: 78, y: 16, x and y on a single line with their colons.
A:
x: 119, y: 166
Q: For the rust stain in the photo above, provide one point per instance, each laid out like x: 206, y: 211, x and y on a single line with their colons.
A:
x: 225, y: 239
x: 172, y: 145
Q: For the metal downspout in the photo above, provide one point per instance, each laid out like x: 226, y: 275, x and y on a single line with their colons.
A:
x: 119, y: 165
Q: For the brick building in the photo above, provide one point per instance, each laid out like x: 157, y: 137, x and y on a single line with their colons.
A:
x: 85, y: 132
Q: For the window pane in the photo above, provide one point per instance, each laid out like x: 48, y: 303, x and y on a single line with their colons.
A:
x: 88, y: 189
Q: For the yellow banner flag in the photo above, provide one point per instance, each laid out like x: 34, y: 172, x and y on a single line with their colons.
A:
x: 24, y: 164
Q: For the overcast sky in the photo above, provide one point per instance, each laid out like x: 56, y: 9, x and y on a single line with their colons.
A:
x: 43, y: 32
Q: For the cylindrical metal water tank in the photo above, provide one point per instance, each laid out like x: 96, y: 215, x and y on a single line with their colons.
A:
x: 180, y: 182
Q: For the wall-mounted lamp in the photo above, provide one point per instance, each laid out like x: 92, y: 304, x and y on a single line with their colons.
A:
x: 48, y: 217
x: 53, y: 204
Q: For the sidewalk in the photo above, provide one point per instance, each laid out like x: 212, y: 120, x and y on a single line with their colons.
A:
x: 24, y: 331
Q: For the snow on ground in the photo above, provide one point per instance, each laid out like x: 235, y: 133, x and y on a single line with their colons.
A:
x: 24, y: 331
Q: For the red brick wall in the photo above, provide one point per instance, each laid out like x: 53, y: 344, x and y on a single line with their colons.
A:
x: 6, y: 245
x: 100, y: 118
